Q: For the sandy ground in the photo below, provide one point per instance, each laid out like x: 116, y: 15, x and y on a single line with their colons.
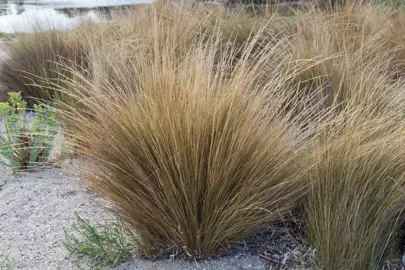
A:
x: 35, y: 208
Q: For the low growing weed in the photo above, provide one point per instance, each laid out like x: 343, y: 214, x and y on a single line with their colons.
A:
x: 106, y: 245
x: 26, y: 142
x: 6, y: 262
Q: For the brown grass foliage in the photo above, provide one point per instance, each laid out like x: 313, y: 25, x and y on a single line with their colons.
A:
x: 348, y: 52
x: 37, y: 56
x: 194, y: 157
x: 355, y: 205
x: 356, y: 199
x: 196, y: 119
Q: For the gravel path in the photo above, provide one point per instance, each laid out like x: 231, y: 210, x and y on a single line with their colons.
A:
x: 35, y: 208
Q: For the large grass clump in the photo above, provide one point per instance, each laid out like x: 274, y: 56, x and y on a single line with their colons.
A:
x: 193, y: 156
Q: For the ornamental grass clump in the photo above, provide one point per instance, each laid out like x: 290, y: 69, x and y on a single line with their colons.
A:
x: 191, y: 154
x: 34, y: 63
x: 355, y: 205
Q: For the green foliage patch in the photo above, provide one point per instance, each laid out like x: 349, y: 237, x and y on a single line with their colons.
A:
x: 6, y: 262
x: 26, y: 142
x: 106, y: 245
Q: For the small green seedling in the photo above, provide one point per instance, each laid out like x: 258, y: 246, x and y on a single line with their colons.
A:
x: 26, y: 142
x: 6, y: 262
x: 106, y: 245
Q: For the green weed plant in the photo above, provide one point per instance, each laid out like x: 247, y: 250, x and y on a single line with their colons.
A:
x: 26, y: 142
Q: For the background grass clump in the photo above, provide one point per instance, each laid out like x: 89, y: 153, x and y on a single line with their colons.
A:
x: 34, y: 63
x: 354, y: 209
